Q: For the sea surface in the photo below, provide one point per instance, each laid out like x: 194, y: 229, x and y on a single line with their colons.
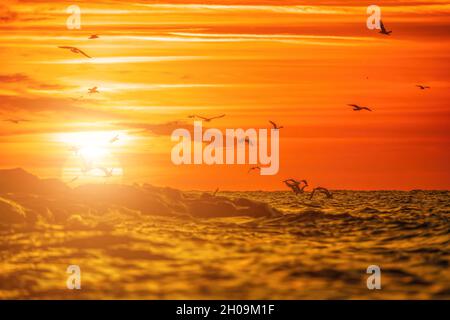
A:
x: 314, y: 249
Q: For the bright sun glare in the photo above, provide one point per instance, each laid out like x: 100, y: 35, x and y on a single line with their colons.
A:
x: 91, y: 156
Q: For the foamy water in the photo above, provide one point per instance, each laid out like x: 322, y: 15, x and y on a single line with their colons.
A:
x: 317, y: 249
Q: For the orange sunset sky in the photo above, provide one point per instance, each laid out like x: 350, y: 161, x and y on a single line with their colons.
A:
x: 298, y: 63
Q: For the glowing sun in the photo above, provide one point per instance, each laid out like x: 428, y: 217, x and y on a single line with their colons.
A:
x: 91, y: 156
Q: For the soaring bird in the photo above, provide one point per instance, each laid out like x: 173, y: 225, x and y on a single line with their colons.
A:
x: 114, y: 139
x: 297, y: 182
x: 254, y: 168
x: 93, y: 36
x: 74, y: 50
x: 74, y: 179
x: 246, y: 140
x: 383, y: 29
x: 74, y: 149
x: 422, y: 87
x: 275, y: 126
x: 77, y: 99
x: 93, y: 90
x: 86, y: 165
x: 295, y: 185
x: 323, y: 190
x: 108, y: 172
x: 358, y: 108
x: 16, y: 121
x: 207, y: 119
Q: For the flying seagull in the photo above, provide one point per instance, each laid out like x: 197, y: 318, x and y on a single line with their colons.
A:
x: 321, y: 190
x: 93, y: 90
x: 246, y: 140
x: 358, y: 108
x: 209, y: 119
x: 87, y: 165
x: 254, y: 168
x: 295, y: 185
x: 93, y: 36
x: 275, y: 126
x: 422, y: 87
x: 74, y: 149
x: 108, y: 172
x: 383, y: 29
x: 298, y: 182
x: 74, y: 179
x: 16, y: 121
x: 74, y: 50
x: 116, y: 138
x: 77, y: 99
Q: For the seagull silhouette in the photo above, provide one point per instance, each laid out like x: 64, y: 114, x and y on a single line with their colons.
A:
x: 254, y: 168
x: 295, y: 185
x: 323, y: 190
x: 93, y: 36
x: 108, y: 172
x: 246, y: 140
x: 116, y: 138
x: 93, y: 90
x: 422, y: 87
x: 205, y: 118
x: 275, y: 126
x: 74, y: 149
x: 74, y: 179
x: 358, y: 108
x: 77, y: 99
x: 16, y: 121
x: 86, y: 165
x: 383, y: 29
x: 298, y: 182
x: 75, y: 50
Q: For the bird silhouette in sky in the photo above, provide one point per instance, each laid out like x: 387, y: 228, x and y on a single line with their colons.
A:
x: 86, y: 165
x: 16, y: 121
x: 114, y: 139
x: 275, y: 126
x: 422, y: 87
x: 93, y: 36
x: 75, y: 50
x: 383, y: 29
x: 359, y: 108
x: 74, y: 179
x: 74, y: 149
x: 77, y: 99
x: 93, y: 90
x: 246, y: 140
x: 108, y: 172
x: 205, y: 118
x: 254, y: 168
x: 323, y: 190
x: 295, y: 185
x: 296, y: 181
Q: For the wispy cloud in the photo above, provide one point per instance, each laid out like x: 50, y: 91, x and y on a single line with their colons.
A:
x: 24, y: 81
x: 123, y: 59
x: 238, y: 7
